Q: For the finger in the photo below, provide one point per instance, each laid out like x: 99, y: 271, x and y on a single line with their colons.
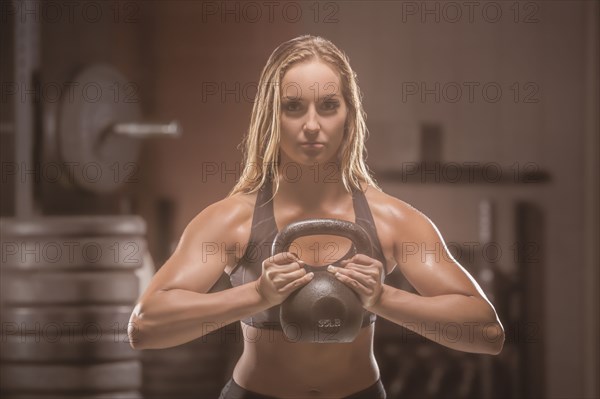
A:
x: 358, y: 266
x: 368, y: 270
x: 294, y: 264
x: 345, y: 261
x: 270, y: 270
x: 283, y: 258
x: 360, y: 258
x: 297, y: 283
x: 374, y: 271
x: 283, y: 274
x: 284, y: 278
x: 365, y: 279
x: 355, y: 285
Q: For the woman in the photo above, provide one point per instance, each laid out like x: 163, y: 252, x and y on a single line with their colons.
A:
x: 304, y: 158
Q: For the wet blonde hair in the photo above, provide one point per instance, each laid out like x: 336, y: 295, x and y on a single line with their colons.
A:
x: 261, y: 144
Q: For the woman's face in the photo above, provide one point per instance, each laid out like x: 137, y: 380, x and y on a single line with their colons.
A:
x: 313, y: 114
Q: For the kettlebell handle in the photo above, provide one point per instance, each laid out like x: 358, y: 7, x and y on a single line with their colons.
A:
x: 337, y: 227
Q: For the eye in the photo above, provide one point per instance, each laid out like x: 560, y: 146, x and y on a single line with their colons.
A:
x: 291, y: 106
x: 330, y: 105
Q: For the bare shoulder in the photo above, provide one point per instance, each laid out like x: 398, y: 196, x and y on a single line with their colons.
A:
x: 396, y: 221
x: 390, y: 209
x: 392, y: 220
x: 228, y: 221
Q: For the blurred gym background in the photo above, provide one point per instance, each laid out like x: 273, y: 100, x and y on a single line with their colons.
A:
x: 120, y: 121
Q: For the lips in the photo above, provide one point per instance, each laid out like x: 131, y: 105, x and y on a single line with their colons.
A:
x: 312, y: 144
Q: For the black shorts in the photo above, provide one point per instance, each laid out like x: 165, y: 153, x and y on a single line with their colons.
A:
x: 231, y: 390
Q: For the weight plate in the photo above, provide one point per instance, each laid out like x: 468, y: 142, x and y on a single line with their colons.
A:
x: 75, y: 288
x: 106, y: 395
x: 55, y: 378
x: 87, y: 225
x: 63, y: 348
x: 51, y: 253
x: 99, y: 97
x: 47, y: 322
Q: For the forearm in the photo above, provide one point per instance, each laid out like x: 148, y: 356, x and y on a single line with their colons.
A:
x: 460, y: 322
x: 173, y: 317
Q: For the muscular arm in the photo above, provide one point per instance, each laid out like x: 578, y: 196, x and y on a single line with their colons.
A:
x: 451, y: 309
x: 176, y: 308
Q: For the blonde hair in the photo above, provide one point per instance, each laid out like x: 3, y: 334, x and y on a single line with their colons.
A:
x: 261, y: 144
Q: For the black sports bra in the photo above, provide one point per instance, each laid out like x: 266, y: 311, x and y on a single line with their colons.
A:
x: 264, y: 230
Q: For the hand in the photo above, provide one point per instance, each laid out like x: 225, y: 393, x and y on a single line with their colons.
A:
x: 364, y: 275
x: 281, y: 275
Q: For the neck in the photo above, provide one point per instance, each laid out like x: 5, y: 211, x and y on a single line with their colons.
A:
x: 311, y: 187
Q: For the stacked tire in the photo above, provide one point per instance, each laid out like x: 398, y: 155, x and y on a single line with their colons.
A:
x: 68, y: 289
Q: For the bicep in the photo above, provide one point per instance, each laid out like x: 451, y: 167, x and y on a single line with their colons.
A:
x: 199, y: 259
x: 425, y: 261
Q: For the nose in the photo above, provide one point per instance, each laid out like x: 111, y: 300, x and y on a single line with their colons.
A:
x: 311, y: 124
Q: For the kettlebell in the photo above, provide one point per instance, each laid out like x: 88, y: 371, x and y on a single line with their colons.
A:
x: 325, y: 310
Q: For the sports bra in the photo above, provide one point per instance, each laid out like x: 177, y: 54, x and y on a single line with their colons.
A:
x: 262, y: 234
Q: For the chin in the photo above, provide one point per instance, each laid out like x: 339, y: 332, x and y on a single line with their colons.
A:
x: 302, y: 160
